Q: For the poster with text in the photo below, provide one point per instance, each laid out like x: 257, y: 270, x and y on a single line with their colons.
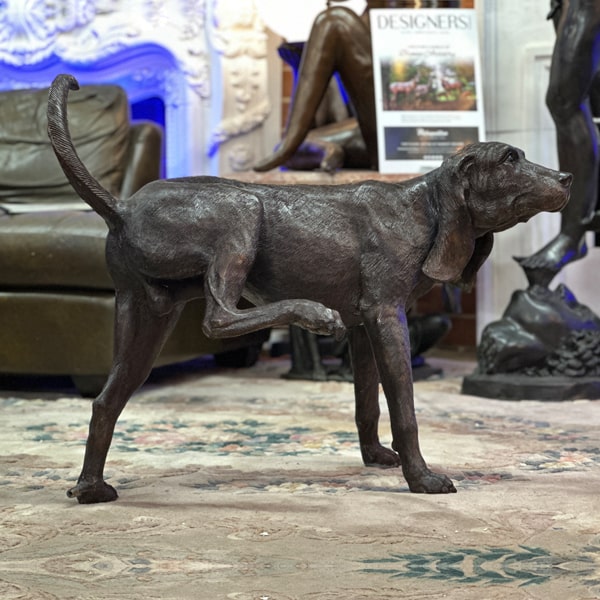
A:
x: 428, y: 92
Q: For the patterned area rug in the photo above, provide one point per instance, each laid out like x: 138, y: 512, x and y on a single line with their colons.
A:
x: 245, y: 486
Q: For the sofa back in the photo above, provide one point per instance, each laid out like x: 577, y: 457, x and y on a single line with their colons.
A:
x: 99, y: 124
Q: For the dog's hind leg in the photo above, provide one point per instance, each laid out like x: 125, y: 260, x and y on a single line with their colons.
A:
x: 366, y: 393
x: 224, y: 284
x: 388, y: 332
x: 139, y: 336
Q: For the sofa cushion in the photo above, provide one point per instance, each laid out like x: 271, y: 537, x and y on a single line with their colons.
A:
x: 99, y: 125
x: 63, y: 249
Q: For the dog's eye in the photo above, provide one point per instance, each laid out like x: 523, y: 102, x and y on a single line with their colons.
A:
x: 511, y: 156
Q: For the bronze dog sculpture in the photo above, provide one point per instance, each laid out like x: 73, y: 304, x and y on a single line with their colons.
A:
x: 328, y: 258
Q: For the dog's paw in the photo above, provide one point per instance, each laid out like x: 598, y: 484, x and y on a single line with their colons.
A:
x: 323, y: 321
x: 92, y: 493
x: 333, y: 324
x: 338, y: 329
x: 431, y: 483
x: 379, y: 456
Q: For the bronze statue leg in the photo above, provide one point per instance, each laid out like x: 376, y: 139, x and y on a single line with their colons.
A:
x: 223, y: 319
x: 388, y: 333
x: 366, y: 393
x: 575, y: 64
x: 139, y: 337
x: 225, y: 281
x: 339, y: 41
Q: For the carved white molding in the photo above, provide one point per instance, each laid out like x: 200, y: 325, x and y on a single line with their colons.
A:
x: 29, y: 30
x: 240, y: 42
x: 219, y: 43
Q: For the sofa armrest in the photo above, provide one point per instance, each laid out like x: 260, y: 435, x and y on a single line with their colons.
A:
x: 143, y: 157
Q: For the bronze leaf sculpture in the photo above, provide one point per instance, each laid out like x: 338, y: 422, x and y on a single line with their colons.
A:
x: 328, y: 258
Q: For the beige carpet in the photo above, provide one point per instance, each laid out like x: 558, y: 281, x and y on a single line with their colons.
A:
x: 245, y: 486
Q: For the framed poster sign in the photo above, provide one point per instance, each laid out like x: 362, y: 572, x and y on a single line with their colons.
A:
x: 428, y: 91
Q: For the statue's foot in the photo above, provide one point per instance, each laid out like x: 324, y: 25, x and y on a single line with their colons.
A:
x: 321, y: 320
x: 333, y: 157
x: 541, y: 268
x: 376, y: 455
x: 428, y: 482
x: 93, y: 492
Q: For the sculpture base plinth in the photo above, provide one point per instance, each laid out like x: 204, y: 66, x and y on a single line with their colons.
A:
x: 522, y: 387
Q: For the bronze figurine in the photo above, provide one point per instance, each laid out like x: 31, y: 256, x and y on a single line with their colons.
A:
x: 330, y: 259
x: 339, y: 42
x: 573, y: 98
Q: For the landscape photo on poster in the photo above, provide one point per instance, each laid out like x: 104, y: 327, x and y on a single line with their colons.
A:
x: 441, y: 81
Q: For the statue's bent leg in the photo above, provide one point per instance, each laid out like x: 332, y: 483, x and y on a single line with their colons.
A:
x: 339, y: 41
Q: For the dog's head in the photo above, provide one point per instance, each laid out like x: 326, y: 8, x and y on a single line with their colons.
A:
x: 483, y: 189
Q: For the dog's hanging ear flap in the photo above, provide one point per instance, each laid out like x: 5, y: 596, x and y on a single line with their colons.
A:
x: 452, y: 249
x: 455, y: 239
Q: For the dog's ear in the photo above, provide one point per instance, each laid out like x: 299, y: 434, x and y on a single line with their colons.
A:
x: 455, y: 239
x: 452, y: 248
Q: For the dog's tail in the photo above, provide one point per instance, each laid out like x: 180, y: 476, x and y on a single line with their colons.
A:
x: 84, y: 183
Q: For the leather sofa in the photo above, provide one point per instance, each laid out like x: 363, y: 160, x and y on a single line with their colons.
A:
x: 56, y: 296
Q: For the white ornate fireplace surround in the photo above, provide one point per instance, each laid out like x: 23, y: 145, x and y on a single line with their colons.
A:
x: 207, y: 60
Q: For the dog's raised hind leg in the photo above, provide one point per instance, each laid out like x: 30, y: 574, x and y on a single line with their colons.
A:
x: 366, y: 393
x: 388, y: 332
x: 139, y: 337
x: 224, y: 285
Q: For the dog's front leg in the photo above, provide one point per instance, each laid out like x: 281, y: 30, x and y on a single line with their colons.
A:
x: 388, y: 332
x: 366, y: 393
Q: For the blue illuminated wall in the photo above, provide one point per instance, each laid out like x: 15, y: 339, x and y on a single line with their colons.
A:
x: 151, y: 109
x: 148, y: 73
